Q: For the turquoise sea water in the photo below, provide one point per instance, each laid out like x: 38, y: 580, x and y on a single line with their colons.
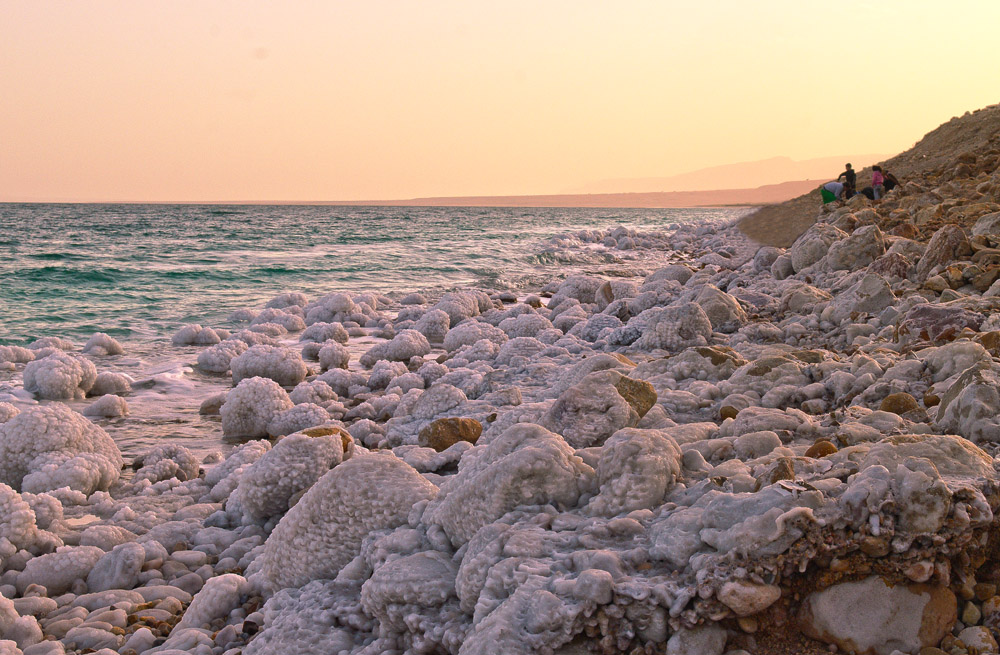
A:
x: 140, y: 271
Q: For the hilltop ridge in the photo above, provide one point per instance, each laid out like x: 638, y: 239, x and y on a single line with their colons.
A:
x: 948, y: 153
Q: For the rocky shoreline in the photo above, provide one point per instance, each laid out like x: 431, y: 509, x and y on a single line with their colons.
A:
x: 753, y: 450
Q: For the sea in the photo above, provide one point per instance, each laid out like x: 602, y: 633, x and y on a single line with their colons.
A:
x: 141, y: 271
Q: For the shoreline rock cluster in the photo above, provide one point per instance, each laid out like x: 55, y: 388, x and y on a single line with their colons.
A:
x: 756, y: 451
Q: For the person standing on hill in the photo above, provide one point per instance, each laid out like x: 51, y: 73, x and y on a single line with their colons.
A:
x: 877, y: 181
x: 850, y: 181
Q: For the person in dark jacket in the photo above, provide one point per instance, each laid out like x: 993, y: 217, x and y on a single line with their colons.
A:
x: 850, y: 180
x: 889, y: 181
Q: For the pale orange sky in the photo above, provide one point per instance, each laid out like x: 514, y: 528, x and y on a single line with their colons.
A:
x: 308, y: 100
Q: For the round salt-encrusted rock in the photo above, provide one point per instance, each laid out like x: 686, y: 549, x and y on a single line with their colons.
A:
x: 251, y: 406
x: 324, y: 531
x: 59, y: 376
x: 42, y: 436
x: 283, y: 365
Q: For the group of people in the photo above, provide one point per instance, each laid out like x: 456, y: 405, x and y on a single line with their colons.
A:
x: 882, y: 182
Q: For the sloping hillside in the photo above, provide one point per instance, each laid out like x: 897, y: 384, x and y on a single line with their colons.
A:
x: 958, y: 149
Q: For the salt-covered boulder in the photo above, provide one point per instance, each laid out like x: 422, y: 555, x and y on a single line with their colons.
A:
x: 314, y: 391
x: 294, y: 464
x: 813, y: 245
x: 324, y: 530
x: 102, y: 345
x: 410, y: 586
x: 800, y: 298
x: 470, y: 332
x: 938, y: 322
x: 434, y: 325
x: 861, y: 248
x: 971, y: 406
x: 251, y: 406
x: 288, y: 318
x: 674, y: 328
x: 895, y: 617
x: 58, y: 571
x: 7, y: 412
x: 636, y: 470
x: 403, y: 346
x: 322, y: 332
x: 217, y: 358
x: 764, y: 258
x: 45, y: 441
x: 109, y: 406
x: 525, y: 465
x: 525, y: 325
x: 579, y: 287
x: 108, y: 382
x: 196, y: 335
x: 299, y: 417
x: 117, y: 569
x: 597, y: 406
x: 723, y: 311
x: 948, y: 243
x: 220, y: 596
x: 869, y: 295
x: 334, y: 355
x: 59, y: 376
x: 18, y: 525
x: 167, y: 461
x: 283, y: 365
x: 460, y: 305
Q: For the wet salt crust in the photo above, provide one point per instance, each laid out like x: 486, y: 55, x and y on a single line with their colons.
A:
x: 664, y: 463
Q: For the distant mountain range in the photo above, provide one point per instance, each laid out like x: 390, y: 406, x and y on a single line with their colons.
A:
x: 743, y: 175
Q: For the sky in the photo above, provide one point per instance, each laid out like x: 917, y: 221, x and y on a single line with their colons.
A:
x: 210, y: 100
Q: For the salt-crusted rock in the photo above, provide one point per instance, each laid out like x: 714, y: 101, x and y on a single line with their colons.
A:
x: 315, y: 391
x: 219, y: 596
x: 800, y: 298
x: 978, y: 639
x: 443, y: 433
x: 283, y: 365
x: 59, y: 376
x: 764, y: 258
x: 109, y: 406
x: 870, y: 295
x: 708, y: 639
x: 101, y: 344
x: 45, y: 441
x: 674, y: 328
x: 872, y: 617
x: 971, y: 406
x: 410, y: 586
x: 287, y: 299
x: 323, y: 332
x: 217, y: 358
x: 723, y: 311
x: 746, y: 598
x: 525, y: 465
x: 17, y: 521
x: 294, y: 464
x: 108, y: 382
x: 251, y: 406
x: 58, y: 571
x: 324, y: 531
x: 595, y: 408
x: 636, y: 470
x: 118, y: 569
x: 196, y: 335
x: 861, y: 248
x: 434, y: 325
x: 813, y: 245
x: 938, y: 323
x: 579, y: 287
x: 947, y: 244
x: 288, y: 318
x: 525, y: 325
x: 294, y: 419
x: 470, y: 332
x: 402, y: 347
x: 334, y: 355
x: 167, y: 461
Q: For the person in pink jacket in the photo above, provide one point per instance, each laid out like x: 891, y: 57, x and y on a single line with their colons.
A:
x: 877, y: 181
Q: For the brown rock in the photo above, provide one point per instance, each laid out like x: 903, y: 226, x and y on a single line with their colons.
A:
x: 899, y: 403
x: 905, y: 230
x: 874, y: 617
x: 930, y: 400
x: 728, y: 411
x: 821, y: 448
x: 637, y: 393
x: 443, y: 433
x: 948, y: 244
x: 985, y: 590
x: 783, y: 470
x: 326, y: 430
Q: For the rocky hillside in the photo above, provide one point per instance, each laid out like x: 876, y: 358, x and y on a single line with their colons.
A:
x: 949, y: 176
